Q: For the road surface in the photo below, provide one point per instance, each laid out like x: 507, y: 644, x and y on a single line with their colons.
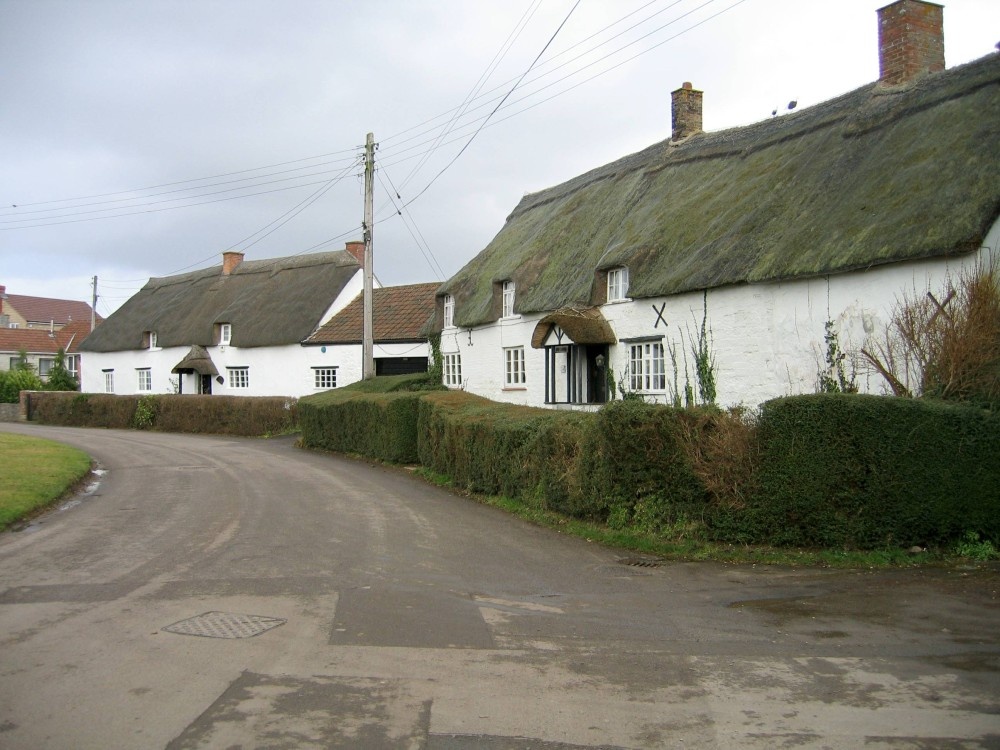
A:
x: 215, y: 592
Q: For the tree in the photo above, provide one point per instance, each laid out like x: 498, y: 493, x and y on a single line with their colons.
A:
x: 60, y: 378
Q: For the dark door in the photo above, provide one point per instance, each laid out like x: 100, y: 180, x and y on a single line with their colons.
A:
x: 206, y: 385
x: 597, y: 373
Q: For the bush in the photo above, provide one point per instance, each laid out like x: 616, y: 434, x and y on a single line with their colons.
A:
x: 378, y: 425
x: 222, y: 415
x: 12, y: 382
x: 869, y: 472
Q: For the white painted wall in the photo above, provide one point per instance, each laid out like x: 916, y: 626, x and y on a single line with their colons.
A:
x: 274, y: 370
x: 768, y: 339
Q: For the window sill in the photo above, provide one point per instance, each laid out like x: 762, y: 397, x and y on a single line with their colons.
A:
x: 515, y: 388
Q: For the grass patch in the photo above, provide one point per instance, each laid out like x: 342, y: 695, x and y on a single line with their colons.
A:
x: 35, y: 473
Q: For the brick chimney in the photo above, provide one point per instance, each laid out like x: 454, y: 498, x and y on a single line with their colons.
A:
x: 230, y: 260
x: 685, y: 111
x: 910, y: 41
x: 357, y: 249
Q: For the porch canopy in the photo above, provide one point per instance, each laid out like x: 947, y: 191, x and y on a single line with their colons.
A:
x: 584, y: 325
x: 196, y: 360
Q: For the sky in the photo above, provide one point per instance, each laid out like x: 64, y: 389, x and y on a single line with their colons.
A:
x: 143, y: 138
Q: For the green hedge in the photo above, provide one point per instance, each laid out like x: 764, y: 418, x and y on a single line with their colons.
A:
x: 378, y: 425
x: 841, y: 470
x: 221, y: 415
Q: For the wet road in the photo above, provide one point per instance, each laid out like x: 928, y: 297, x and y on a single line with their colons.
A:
x: 218, y: 593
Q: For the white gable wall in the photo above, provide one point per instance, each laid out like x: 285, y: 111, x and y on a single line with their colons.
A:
x: 768, y: 339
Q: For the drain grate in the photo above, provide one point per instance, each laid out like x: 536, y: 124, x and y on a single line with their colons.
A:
x: 224, y: 625
x: 640, y: 562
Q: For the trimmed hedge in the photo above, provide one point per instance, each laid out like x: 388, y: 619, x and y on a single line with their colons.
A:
x: 378, y: 425
x: 220, y: 415
x: 848, y: 470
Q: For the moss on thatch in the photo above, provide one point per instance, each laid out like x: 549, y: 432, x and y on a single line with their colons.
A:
x: 875, y: 176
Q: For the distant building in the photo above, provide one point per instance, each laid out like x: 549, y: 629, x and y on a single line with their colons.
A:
x: 41, y: 313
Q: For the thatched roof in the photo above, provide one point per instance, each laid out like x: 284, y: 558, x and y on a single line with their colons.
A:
x: 875, y: 176
x: 400, y: 314
x: 583, y: 325
x: 196, y: 360
x: 268, y: 303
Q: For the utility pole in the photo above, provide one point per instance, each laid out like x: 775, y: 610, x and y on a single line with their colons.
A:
x: 368, y: 341
x: 93, y: 308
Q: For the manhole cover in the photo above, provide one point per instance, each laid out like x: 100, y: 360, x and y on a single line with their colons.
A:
x: 224, y: 625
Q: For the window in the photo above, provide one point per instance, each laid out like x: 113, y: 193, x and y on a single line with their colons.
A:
x: 508, y: 299
x: 453, y: 370
x: 45, y: 366
x: 109, y: 381
x: 225, y: 333
x: 617, y: 284
x: 145, y: 379
x: 149, y: 338
x: 239, y: 377
x: 514, y: 366
x: 71, y: 365
x: 325, y: 377
x: 449, y: 311
x: 646, y: 367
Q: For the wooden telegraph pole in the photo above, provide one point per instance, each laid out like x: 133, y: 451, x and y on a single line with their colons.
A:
x: 368, y: 343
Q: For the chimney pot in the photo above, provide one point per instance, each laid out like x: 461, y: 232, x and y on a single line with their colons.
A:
x: 230, y: 260
x: 910, y: 41
x: 685, y: 110
x: 357, y: 249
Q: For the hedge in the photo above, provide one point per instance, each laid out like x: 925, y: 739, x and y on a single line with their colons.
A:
x: 848, y: 470
x: 222, y: 415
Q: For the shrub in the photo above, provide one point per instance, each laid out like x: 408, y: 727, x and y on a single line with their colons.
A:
x: 378, y: 425
x: 12, y: 382
x: 856, y: 471
x: 59, y: 377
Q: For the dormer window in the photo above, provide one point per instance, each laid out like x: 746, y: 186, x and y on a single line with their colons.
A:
x: 617, y: 284
x: 225, y: 333
x: 149, y: 339
x: 449, y: 311
x: 508, y: 299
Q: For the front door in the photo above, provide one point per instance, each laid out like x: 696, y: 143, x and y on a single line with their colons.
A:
x: 597, y: 373
x: 205, y: 385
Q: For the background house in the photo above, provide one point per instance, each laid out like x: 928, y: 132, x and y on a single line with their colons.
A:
x: 401, y: 315
x: 235, y: 329
x: 41, y: 313
x: 40, y: 327
x: 765, y: 234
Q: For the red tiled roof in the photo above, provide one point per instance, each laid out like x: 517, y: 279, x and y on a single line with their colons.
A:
x: 35, y: 341
x: 44, y: 310
x: 399, y: 312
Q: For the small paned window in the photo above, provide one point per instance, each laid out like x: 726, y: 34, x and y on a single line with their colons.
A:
x: 325, y: 377
x: 225, y: 333
x: 239, y: 377
x: 145, y: 379
x: 109, y: 381
x: 514, y: 366
x: 453, y: 370
x: 646, y: 367
x: 508, y: 299
x: 617, y: 284
x: 449, y: 311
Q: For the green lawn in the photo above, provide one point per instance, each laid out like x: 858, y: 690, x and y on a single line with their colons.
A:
x: 34, y: 472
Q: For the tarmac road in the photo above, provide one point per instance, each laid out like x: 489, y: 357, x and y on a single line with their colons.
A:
x: 214, y: 592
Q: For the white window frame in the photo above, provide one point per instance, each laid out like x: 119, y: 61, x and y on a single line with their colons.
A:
x: 324, y: 378
x: 452, y: 366
x: 508, y: 299
x: 71, y: 364
x: 513, y: 360
x: 145, y: 379
x: 239, y: 378
x: 449, y: 311
x: 618, y: 284
x: 225, y: 333
x: 152, y: 339
x: 647, y: 367
x: 44, y: 366
x: 109, y: 381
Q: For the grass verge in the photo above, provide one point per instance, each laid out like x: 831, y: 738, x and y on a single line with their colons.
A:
x: 34, y: 473
x: 696, y: 549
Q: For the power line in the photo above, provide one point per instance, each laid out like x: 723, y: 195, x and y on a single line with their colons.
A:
x: 432, y: 261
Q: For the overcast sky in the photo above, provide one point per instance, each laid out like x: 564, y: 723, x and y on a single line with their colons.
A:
x: 143, y: 138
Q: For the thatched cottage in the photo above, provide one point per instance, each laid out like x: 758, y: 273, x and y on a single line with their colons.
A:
x: 241, y: 329
x: 764, y: 235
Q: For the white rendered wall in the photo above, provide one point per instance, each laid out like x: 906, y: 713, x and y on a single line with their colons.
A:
x: 273, y: 371
x: 768, y: 339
